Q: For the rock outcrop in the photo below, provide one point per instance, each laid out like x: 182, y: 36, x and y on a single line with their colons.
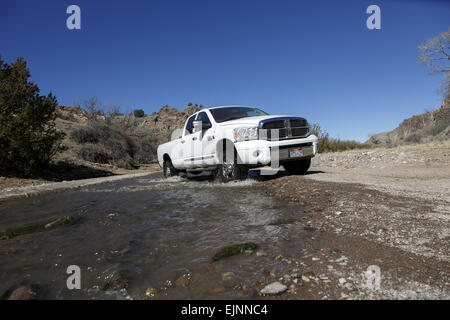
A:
x: 426, y: 127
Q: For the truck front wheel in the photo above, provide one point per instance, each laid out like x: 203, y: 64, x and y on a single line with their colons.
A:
x: 168, y: 168
x: 297, y: 167
x: 231, y: 170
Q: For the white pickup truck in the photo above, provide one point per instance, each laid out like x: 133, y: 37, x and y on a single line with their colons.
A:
x: 230, y: 140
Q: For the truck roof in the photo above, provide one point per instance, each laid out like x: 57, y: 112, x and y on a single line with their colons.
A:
x: 228, y: 107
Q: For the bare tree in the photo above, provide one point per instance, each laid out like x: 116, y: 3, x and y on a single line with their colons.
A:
x: 436, y: 55
x: 113, y: 110
x: 91, y: 105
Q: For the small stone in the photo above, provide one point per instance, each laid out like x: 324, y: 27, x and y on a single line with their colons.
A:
x: 315, y: 259
x: 117, y: 282
x: 342, y: 280
x: 23, y: 293
x: 150, y: 292
x: 305, y: 278
x: 262, y: 254
x: 274, y: 288
x: 183, y: 281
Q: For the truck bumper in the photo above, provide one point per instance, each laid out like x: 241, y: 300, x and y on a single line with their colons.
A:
x: 262, y: 152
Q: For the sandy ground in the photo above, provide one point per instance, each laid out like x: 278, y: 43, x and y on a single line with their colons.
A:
x: 421, y: 171
x: 388, y: 208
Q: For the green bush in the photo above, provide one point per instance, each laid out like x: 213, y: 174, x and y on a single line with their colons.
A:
x: 28, y: 138
x: 139, y: 113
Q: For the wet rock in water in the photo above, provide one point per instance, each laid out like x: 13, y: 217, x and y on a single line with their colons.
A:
x: 183, y: 281
x: 234, y: 249
x: 281, y: 221
x: 217, y: 290
x: 117, y: 282
x: 67, y: 220
x: 150, y: 292
x: 273, y: 288
x: 23, y: 293
x: 228, y: 276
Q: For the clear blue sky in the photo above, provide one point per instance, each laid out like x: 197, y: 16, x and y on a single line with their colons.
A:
x: 316, y: 59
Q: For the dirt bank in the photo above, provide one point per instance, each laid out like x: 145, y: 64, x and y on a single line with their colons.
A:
x: 36, y: 189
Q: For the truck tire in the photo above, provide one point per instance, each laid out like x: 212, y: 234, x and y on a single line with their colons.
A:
x: 231, y: 171
x: 297, y: 167
x: 168, y: 168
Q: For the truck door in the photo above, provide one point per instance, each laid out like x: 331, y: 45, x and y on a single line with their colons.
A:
x: 204, y: 144
x: 187, y: 144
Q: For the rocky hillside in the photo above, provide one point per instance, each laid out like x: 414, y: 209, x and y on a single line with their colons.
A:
x: 166, y: 120
x: 120, y: 140
x: 426, y: 127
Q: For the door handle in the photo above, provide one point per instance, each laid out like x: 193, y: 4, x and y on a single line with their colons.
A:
x: 194, y: 138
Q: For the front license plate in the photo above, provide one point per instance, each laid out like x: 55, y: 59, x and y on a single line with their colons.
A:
x: 295, y: 152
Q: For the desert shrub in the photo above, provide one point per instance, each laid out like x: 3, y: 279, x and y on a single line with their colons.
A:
x: 145, y: 149
x: 414, y: 138
x: 139, y: 113
x: 93, y: 153
x: 105, y: 140
x: 436, y: 129
x: 28, y: 137
x: 85, y: 135
x: 327, y: 144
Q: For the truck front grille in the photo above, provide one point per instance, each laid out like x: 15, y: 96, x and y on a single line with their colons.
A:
x: 283, y: 129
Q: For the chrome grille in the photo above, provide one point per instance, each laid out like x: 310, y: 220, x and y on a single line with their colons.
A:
x: 283, y: 129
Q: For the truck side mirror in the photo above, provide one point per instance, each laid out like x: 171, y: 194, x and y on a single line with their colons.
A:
x: 200, y: 125
x: 197, y: 125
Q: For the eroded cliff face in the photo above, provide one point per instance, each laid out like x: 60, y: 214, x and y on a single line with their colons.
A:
x: 426, y: 127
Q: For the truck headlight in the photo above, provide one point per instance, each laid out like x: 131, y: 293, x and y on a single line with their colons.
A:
x: 245, y: 133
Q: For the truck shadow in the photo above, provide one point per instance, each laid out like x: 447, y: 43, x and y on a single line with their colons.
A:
x: 258, y: 175
x: 263, y: 175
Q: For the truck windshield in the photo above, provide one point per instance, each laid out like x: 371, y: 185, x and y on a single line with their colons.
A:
x: 232, y: 113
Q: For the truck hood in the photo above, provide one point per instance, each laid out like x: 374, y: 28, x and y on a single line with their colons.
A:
x: 251, y: 121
